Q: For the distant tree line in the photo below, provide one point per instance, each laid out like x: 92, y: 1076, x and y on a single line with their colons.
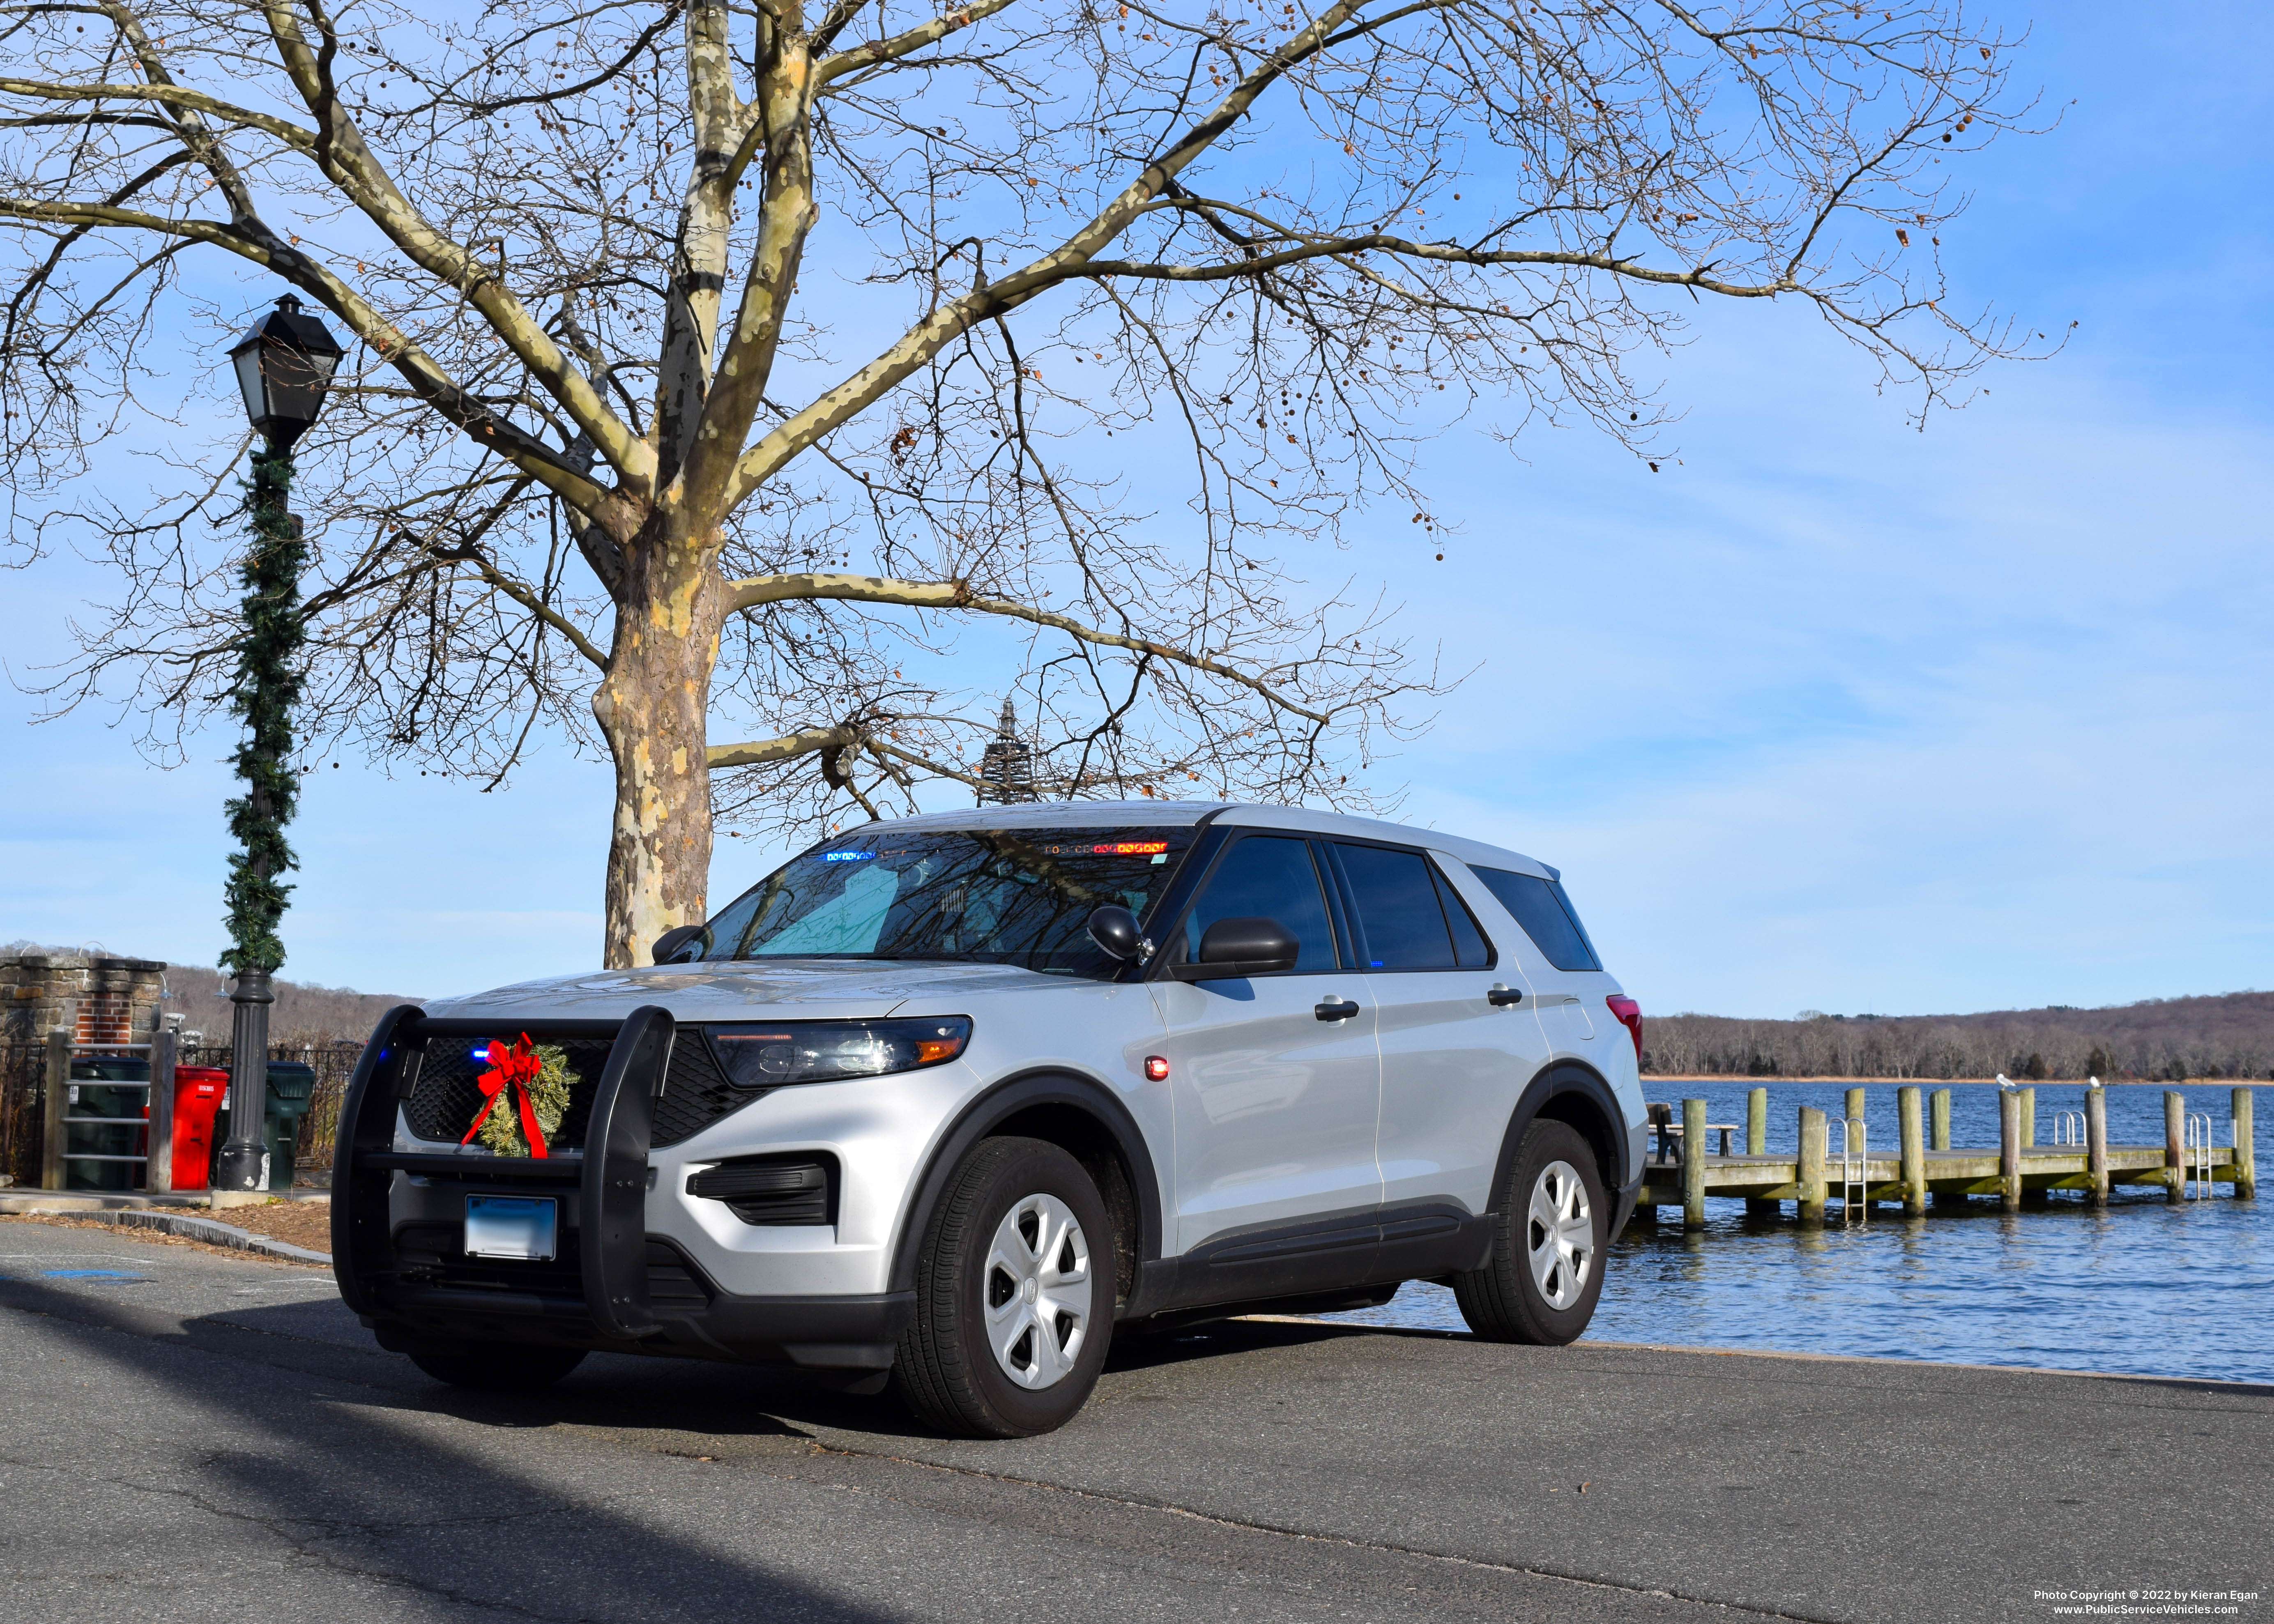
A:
x: 2230, y: 1035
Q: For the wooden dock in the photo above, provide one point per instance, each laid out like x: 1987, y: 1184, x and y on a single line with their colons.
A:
x: 1924, y: 1165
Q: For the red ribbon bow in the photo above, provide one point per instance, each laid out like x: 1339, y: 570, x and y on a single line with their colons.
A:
x: 514, y: 1068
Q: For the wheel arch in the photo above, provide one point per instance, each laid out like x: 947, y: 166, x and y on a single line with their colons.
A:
x: 1571, y: 1092
x: 1080, y: 1115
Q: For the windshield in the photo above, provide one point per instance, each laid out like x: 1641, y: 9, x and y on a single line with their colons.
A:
x: 978, y: 896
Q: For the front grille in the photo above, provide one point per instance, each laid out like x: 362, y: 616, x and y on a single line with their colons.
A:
x: 799, y: 1188
x: 695, y: 1093
x: 448, y: 1094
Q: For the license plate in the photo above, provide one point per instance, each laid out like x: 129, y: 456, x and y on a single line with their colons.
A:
x: 512, y: 1226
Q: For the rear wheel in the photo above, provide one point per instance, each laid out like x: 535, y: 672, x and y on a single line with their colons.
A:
x: 496, y: 1367
x: 1014, y: 1295
x: 1546, y: 1271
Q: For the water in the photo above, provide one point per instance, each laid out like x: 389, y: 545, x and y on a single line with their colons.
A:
x: 2142, y: 1287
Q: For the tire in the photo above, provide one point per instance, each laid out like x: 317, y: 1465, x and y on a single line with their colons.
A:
x: 1014, y: 1295
x: 1541, y: 1281
x: 496, y: 1367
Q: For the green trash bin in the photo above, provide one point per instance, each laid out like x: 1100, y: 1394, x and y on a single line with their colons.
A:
x: 115, y: 1087
x: 291, y: 1091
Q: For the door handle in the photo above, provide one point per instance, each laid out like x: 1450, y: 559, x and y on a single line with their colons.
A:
x: 1499, y: 997
x: 1335, y: 1009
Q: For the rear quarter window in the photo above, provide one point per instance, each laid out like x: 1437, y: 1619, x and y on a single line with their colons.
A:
x: 1547, y: 915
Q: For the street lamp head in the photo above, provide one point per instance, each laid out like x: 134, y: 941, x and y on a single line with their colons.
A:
x: 283, y: 366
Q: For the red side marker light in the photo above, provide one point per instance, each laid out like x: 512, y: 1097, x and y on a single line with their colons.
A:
x: 1629, y: 1014
x: 1157, y: 1068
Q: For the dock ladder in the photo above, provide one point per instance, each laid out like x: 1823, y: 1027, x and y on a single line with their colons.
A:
x: 2195, y: 1158
x: 2068, y: 1127
x: 1854, y: 1206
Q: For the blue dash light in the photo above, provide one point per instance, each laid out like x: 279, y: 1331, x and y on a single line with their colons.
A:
x: 847, y: 856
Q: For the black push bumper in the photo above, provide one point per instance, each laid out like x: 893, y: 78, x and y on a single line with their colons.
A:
x: 398, y: 1233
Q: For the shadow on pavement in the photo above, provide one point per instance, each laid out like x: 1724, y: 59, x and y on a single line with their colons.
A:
x: 370, y: 1487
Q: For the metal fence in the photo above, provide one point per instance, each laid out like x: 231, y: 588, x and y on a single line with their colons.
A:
x: 23, y: 1073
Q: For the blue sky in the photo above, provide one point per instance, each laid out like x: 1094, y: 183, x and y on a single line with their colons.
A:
x: 1834, y: 715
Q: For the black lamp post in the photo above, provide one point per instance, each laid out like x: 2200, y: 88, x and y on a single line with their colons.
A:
x: 283, y: 367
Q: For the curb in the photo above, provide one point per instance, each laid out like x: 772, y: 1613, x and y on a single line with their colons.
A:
x: 210, y: 1230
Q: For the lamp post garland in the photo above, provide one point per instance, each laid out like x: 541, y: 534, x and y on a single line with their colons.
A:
x: 283, y: 366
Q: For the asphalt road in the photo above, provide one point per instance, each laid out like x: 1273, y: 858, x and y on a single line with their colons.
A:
x: 184, y: 1436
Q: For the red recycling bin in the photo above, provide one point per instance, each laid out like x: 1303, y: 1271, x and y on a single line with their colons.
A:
x: 199, y: 1092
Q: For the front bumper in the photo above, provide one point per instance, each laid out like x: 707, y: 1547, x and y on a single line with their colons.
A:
x: 398, y: 1233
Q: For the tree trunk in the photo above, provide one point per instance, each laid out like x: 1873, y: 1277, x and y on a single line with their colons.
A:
x: 650, y: 707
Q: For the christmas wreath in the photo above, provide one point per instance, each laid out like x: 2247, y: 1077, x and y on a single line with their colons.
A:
x: 532, y: 1081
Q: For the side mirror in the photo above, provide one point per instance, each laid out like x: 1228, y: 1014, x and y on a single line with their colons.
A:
x: 1114, y: 928
x: 671, y: 941
x: 1233, y: 948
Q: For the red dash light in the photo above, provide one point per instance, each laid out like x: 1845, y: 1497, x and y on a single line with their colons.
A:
x: 1129, y: 848
x: 1629, y: 1014
x: 1157, y: 1068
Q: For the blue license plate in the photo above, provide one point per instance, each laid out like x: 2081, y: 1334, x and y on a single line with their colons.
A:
x: 512, y: 1226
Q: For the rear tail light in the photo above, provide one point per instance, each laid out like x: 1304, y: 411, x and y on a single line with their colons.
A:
x: 1629, y: 1014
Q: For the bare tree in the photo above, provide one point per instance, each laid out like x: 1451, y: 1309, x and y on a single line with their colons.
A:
x: 670, y: 315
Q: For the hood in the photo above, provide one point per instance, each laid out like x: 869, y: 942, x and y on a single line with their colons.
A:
x: 798, y: 988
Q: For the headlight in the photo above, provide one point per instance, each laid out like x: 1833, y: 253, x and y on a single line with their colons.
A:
x: 768, y: 1055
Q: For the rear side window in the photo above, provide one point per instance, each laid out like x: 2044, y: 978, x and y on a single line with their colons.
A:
x: 1267, y: 878
x: 1398, y: 915
x: 1547, y: 915
x: 1469, y: 943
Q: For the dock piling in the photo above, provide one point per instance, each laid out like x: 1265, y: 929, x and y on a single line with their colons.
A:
x: 1756, y: 1144
x: 2096, y: 1143
x: 1812, y: 1165
x: 2009, y: 1148
x: 1938, y: 1139
x: 1913, y: 1151
x: 1693, y: 1164
x: 2246, y: 1148
x: 2028, y: 1097
x: 2175, y: 1150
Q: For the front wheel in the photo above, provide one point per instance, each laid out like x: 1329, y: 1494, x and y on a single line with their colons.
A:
x: 1546, y: 1271
x: 1014, y: 1295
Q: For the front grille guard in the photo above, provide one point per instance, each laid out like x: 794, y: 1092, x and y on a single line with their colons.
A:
x: 611, y: 1179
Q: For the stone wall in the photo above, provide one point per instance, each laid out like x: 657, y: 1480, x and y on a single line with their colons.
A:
x: 100, y: 999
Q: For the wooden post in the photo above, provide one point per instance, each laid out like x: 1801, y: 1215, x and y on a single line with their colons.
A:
x: 2175, y: 1153
x: 1913, y: 1151
x: 2034, y: 1198
x: 2246, y: 1148
x: 1855, y: 1101
x: 1938, y: 1139
x: 1812, y: 1165
x: 1693, y: 1164
x: 1756, y: 1144
x: 2096, y: 1143
x: 2009, y: 1148
x: 158, y: 1142
x: 55, y: 1106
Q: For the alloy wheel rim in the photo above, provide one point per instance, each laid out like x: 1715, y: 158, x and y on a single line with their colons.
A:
x: 1036, y: 1291
x: 1560, y: 1235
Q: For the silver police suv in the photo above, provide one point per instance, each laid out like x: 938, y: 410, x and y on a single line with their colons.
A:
x: 945, y: 1101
